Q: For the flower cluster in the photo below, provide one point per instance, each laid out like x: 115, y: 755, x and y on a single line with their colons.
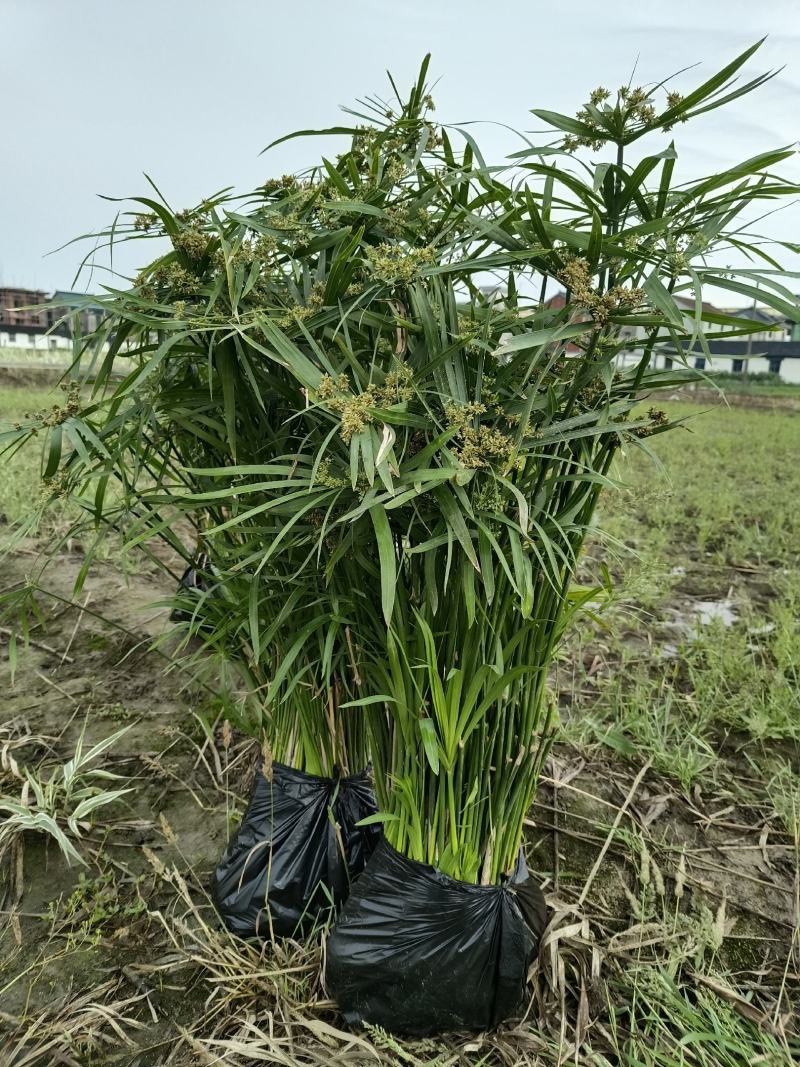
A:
x: 397, y: 388
x: 635, y: 106
x: 248, y: 252
x: 461, y: 416
x: 469, y: 334
x: 658, y: 421
x: 677, y: 258
x: 478, y: 444
x: 638, y: 105
x: 315, y: 301
x: 60, y: 485
x: 145, y: 222
x: 673, y: 100
x: 402, y: 217
x: 191, y: 241
x: 275, y: 186
x: 265, y: 247
x: 59, y: 413
x: 327, y: 479
x: 356, y: 409
x: 396, y: 264
x: 488, y: 496
x: 576, y: 277
x: 482, y: 444
x: 393, y: 172
x: 172, y: 276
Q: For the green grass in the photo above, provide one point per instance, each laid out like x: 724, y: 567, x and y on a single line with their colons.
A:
x: 49, y: 356
x: 21, y: 473
x: 756, y: 384
x: 725, y: 496
x: 721, y: 712
x: 717, y: 522
x: 666, y: 1027
x: 780, y: 389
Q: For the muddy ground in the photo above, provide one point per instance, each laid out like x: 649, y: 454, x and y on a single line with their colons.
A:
x: 123, y: 961
x: 83, y: 673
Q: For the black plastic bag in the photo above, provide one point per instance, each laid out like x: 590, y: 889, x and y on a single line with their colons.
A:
x: 417, y: 952
x: 295, y: 853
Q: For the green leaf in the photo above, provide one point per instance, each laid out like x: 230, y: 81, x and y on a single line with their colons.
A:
x: 378, y: 817
x: 386, y: 554
x: 662, y: 300
x: 329, y: 132
x: 365, y: 702
x: 430, y: 742
x: 255, y: 635
x: 564, y: 122
x: 53, y: 452
x: 714, y: 83
x: 455, y: 520
x: 537, y: 338
x: 594, y: 250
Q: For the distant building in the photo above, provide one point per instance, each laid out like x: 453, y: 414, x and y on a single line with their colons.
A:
x: 28, y: 318
x: 770, y: 319
x: 87, y: 314
x: 775, y: 349
x: 19, y: 307
x: 24, y: 322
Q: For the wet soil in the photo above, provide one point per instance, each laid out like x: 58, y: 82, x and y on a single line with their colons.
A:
x: 94, y: 671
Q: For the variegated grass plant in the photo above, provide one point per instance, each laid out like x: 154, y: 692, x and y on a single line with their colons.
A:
x: 393, y: 471
x: 65, y: 803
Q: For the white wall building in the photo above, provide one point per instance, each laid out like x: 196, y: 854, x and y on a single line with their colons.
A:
x: 766, y: 351
x: 11, y: 337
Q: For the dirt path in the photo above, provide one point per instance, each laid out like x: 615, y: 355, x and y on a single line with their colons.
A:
x: 85, y: 675
x: 753, y: 401
x: 135, y: 933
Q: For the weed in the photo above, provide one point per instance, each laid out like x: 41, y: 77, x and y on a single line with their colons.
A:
x: 97, y: 906
x: 63, y: 804
x: 657, y: 1022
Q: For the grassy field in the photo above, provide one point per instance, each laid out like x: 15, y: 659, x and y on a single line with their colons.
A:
x: 666, y: 833
x: 12, y: 354
x: 758, y: 384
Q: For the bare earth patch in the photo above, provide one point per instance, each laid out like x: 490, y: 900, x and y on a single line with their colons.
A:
x: 674, y: 897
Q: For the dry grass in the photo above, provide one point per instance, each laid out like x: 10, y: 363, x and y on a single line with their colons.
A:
x: 96, y: 1025
x: 619, y: 969
x: 675, y: 929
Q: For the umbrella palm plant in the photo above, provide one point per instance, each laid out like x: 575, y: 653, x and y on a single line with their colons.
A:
x: 393, y: 472
x: 215, y: 332
x: 471, y: 441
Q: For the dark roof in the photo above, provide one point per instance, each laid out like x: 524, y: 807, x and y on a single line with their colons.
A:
x: 687, y: 302
x: 18, y: 290
x: 744, y: 349
x: 67, y: 299
x: 771, y: 318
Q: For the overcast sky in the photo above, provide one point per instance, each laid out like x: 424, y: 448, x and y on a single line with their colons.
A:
x: 94, y: 92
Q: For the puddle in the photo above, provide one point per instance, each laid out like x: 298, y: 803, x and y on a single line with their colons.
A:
x: 685, y: 621
x: 708, y: 611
